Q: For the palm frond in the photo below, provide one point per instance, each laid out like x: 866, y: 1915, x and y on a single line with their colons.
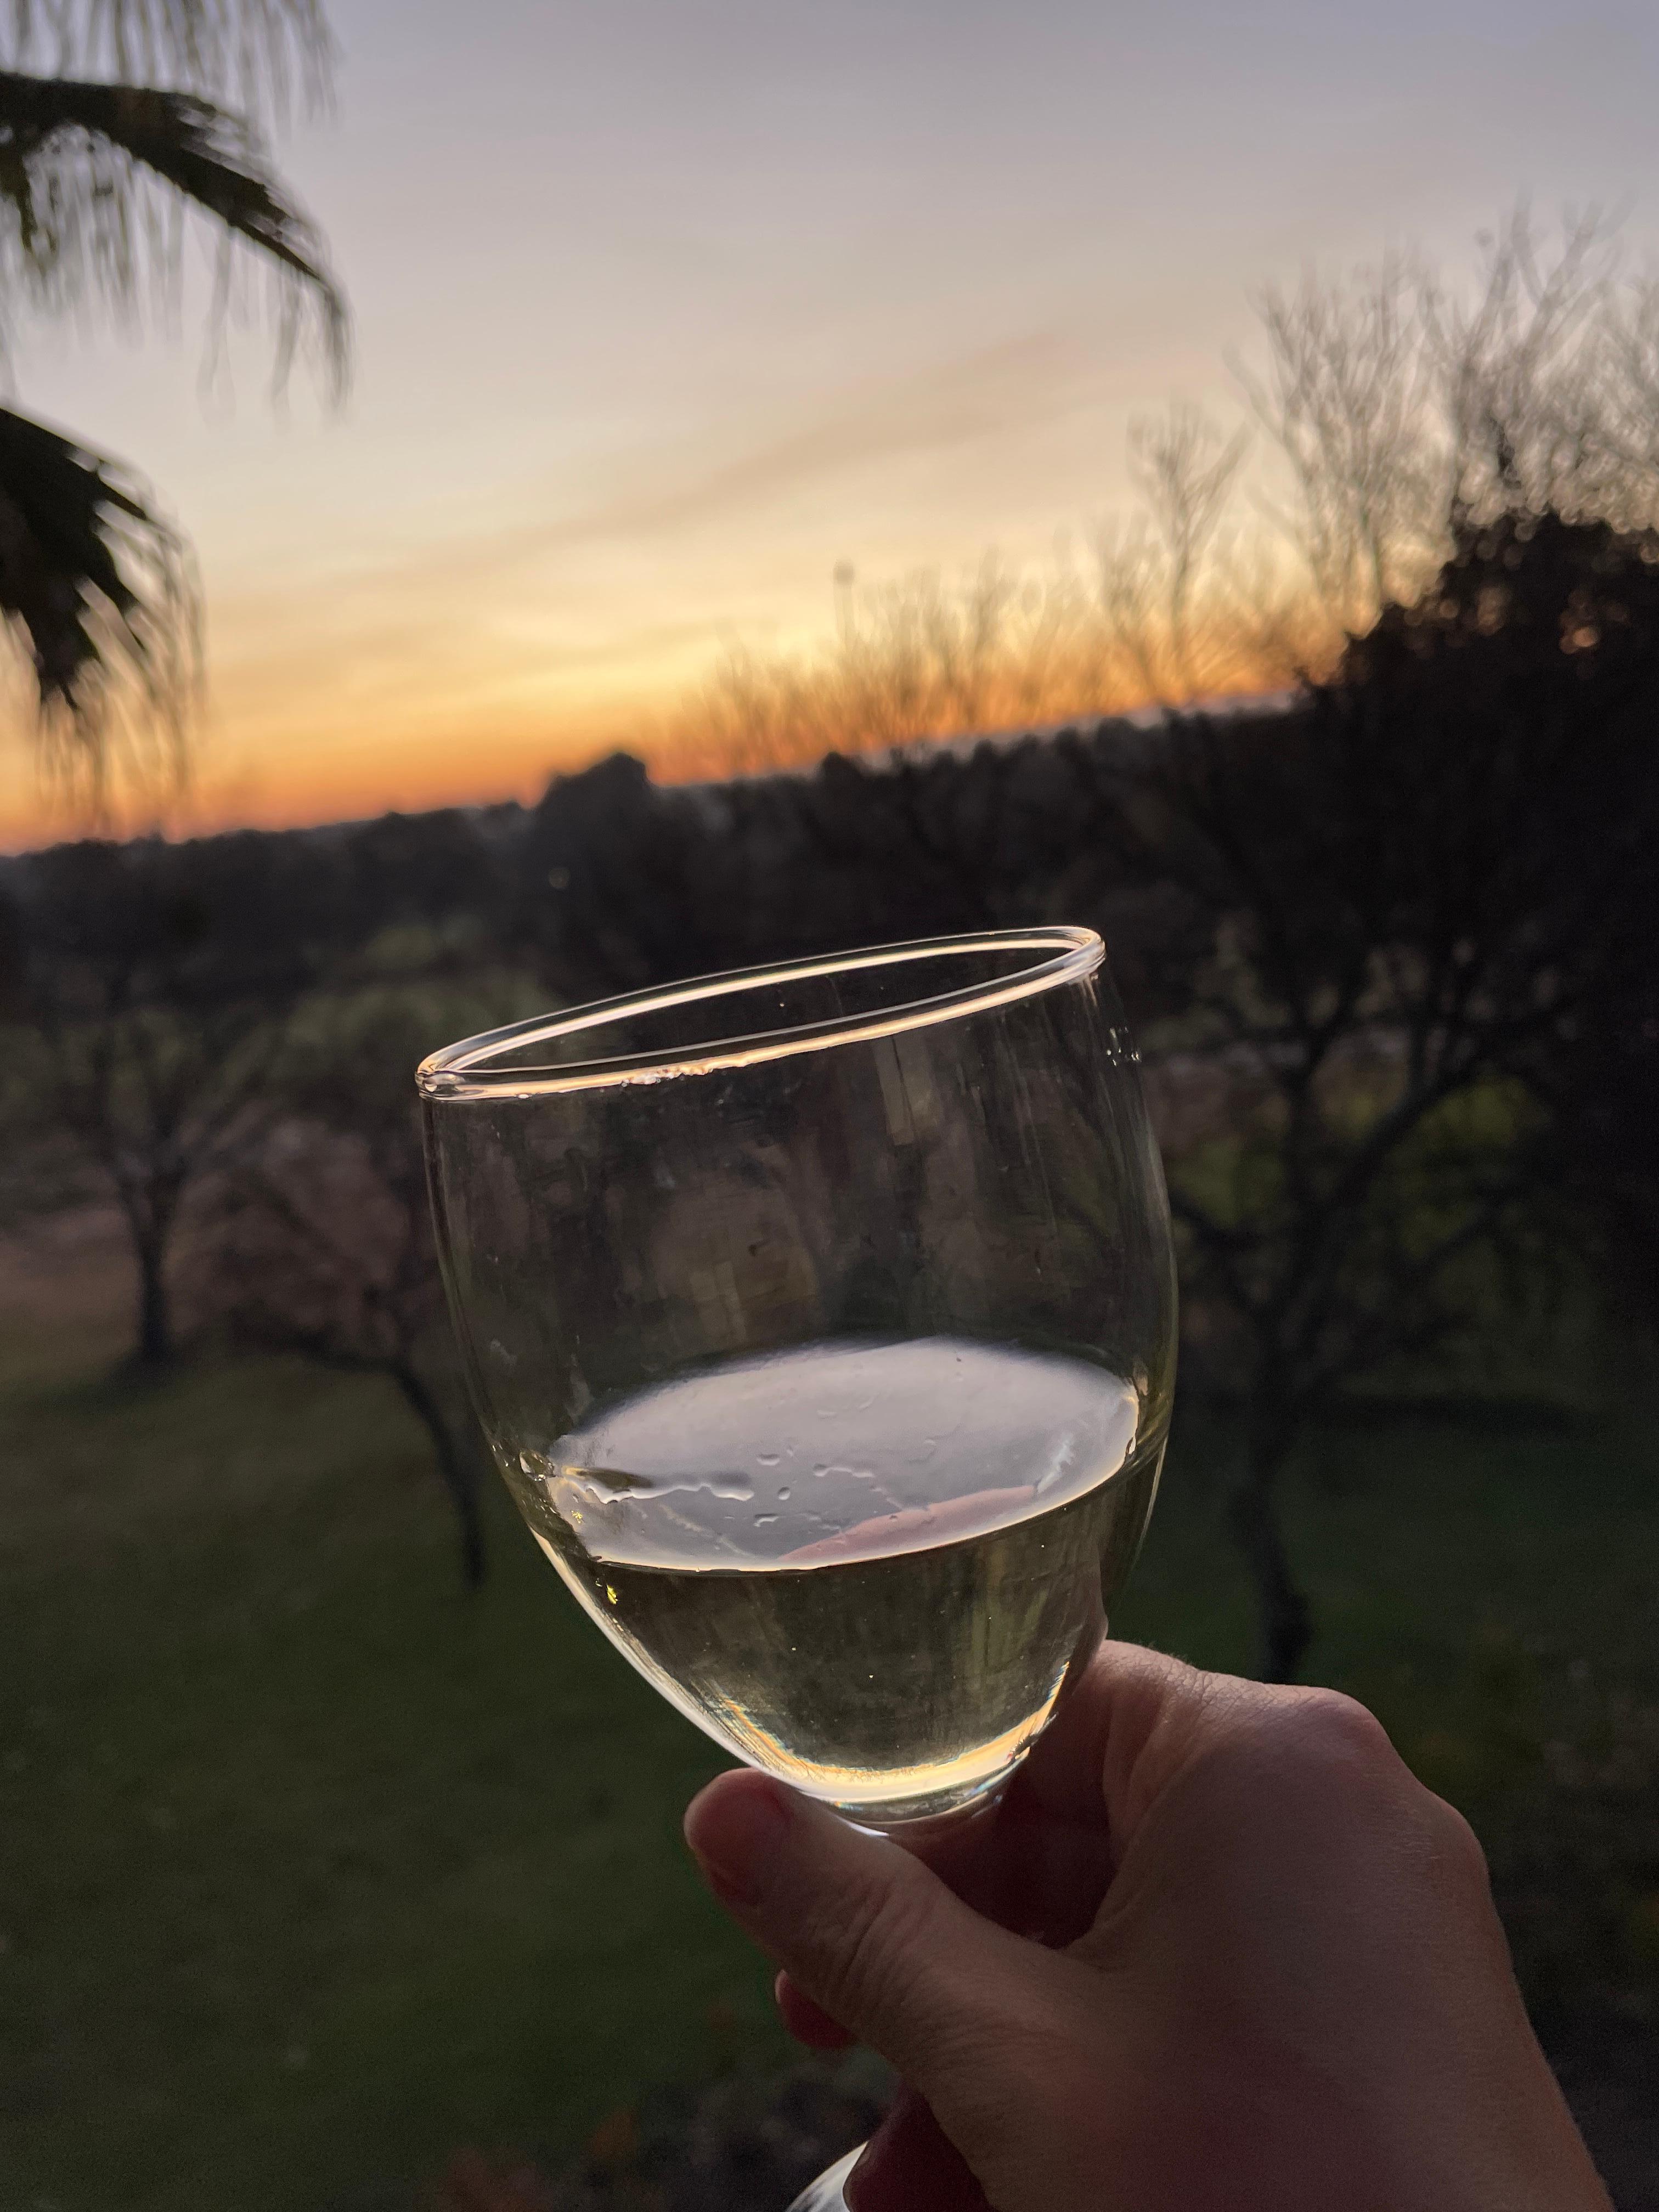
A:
x: 89, y: 173
x: 98, y: 583
x: 255, y: 52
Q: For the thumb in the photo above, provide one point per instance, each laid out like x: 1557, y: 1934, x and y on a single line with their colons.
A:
x: 880, y: 1943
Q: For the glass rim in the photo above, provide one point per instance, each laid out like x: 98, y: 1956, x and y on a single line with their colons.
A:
x: 462, y: 1070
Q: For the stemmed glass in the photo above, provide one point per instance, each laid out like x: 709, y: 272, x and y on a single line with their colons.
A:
x: 820, y: 1319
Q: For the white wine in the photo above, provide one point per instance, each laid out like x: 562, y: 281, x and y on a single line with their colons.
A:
x: 865, y: 1567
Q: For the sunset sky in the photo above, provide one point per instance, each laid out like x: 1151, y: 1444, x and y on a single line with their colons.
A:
x: 664, y: 307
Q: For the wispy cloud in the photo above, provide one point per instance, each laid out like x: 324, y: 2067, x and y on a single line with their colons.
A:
x: 977, y: 399
x: 502, y: 651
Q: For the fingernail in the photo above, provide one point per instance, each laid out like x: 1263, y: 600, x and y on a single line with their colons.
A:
x: 734, y: 1830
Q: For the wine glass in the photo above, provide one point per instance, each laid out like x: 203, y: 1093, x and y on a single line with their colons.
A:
x: 820, y: 1319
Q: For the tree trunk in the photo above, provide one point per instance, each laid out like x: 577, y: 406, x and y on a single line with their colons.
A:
x: 155, y: 1344
x: 456, y: 1466
x: 1285, y: 1621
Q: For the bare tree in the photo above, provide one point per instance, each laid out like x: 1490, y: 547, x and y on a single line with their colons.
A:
x: 1528, y: 374
x: 1187, y: 469
x: 160, y: 981
x: 965, y: 635
x: 1349, y: 399
x: 918, y: 659
x: 321, y: 1240
x: 753, y: 715
x: 906, y: 660
x: 1632, y: 424
x: 1402, y: 408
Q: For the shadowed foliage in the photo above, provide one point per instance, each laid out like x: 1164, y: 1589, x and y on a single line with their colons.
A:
x: 92, y: 575
x: 79, y: 159
x: 1413, y: 897
x: 98, y: 172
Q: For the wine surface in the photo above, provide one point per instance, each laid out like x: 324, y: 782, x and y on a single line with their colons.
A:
x: 865, y: 1567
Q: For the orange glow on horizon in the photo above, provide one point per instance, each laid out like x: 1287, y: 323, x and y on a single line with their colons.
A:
x: 252, y: 778
x: 228, y: 791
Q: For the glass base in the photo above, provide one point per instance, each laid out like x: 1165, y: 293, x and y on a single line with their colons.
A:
x: 920, y: 1826
x: 825, y: 2195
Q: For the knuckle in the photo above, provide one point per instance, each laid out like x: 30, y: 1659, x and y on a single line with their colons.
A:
x: 1456, y: 1846
x: 1336, y: 1731
x: 1321, y: 1747
x: 1344, y: 1756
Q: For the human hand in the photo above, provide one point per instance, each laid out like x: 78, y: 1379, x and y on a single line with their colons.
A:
x: 1216, y: 1948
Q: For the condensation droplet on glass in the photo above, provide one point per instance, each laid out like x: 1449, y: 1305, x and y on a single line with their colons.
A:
x: 783, y: 1493
x: 767, y: 1459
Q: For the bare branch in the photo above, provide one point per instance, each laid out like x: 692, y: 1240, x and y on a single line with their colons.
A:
x: 1348, y: 399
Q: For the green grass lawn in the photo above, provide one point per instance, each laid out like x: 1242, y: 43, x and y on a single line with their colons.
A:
x: 313, y: 1868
